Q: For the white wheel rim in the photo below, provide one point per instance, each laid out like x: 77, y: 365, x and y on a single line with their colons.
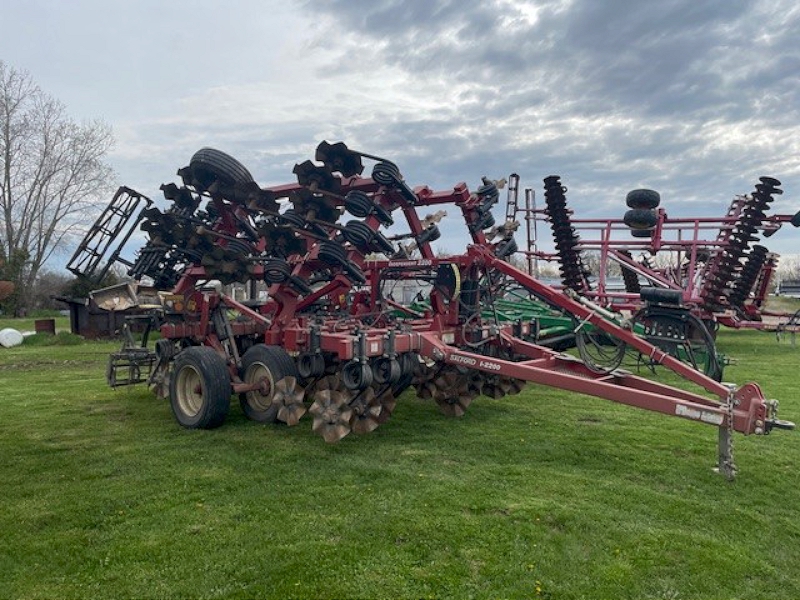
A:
x: 190, y: 391
x: 255, y: 398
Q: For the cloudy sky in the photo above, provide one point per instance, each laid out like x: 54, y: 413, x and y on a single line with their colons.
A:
x: 696, y: 99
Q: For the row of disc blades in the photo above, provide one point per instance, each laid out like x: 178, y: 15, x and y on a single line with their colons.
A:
x: 453, y: 388
x: 335, y: 409
x: 573, y: 274
x: 726, y: 266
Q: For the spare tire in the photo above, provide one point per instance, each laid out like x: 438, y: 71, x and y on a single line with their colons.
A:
x: 640, y: 218
x: 643, y: 199
x: 209, y: 165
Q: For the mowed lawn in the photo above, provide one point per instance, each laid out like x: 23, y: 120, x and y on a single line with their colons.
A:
x: 544, y: 494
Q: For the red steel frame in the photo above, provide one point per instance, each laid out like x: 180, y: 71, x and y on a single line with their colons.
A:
x: 282, y: 323
x: 361, y: 331
x: 683, y: 238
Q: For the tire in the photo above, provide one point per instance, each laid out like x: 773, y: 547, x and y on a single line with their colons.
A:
x: 697, y: 347
x: 662, y: 296
x: 642, y: 233
x: 796, y: 219
x: 640, y: 218
x: 356, y: 375
x: 259, y: 362
x: 209, y: 165
x: 200, y: 388
x: 647, y: 199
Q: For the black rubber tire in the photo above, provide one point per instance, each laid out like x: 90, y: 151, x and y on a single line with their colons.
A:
x: 642, y: 233
x: 796, y: 219
x: 662, y: 296
x: 200, y: 367
x: 261, y: 361
x: 209, y: 164
x: 648, y: 199
x: 310, y: 366
x: 640, y: 218
x: 386, y: 371
x: 356, y: 375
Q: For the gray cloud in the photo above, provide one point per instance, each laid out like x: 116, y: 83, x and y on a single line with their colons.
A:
x: 695, y: 99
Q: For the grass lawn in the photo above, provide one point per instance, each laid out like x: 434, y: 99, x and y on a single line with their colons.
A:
x: 783, y: 304
x: 28, y: 324
x: 544, y: 494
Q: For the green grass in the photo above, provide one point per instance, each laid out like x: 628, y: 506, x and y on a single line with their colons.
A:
x: 783, y: 304
x: 62, y: 338
x: 28, y: 324
x: 545, y: 494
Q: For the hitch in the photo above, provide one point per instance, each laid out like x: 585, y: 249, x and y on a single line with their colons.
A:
x: 133, y: 363
x: 773, y: 422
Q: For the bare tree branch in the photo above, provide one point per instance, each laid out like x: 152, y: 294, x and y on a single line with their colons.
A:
x: 52, y: 172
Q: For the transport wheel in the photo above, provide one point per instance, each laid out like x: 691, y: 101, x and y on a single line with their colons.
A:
x: 648, y: 199
x: 209, y: 165
x: 700, y: 350
x: 280, y: 397
x: 682, y: 336
x: 200, y: 388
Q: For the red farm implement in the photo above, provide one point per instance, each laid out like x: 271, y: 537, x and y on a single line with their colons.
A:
x: 710, y: 265
x: 327, y: 337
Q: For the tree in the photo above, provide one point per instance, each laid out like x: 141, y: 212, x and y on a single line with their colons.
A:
x: 52, y: 175
x: 789, y: 267
x: 10, y: 270
x: 49, y: 284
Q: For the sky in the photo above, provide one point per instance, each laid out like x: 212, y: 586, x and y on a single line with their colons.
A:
x: 694, y: 99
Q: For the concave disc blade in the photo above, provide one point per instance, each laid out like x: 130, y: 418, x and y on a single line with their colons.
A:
x: 289, y: 395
